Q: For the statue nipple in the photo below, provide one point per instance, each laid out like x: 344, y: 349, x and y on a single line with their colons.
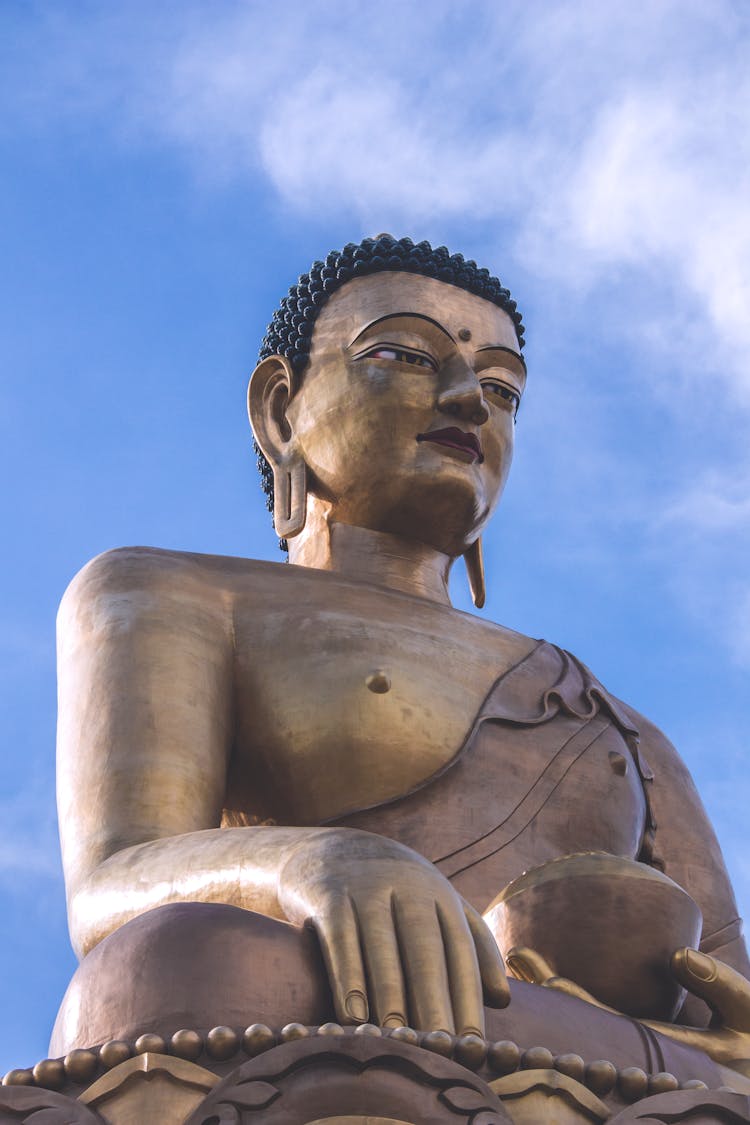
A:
x: 378, y: 682
x: 618, y: 763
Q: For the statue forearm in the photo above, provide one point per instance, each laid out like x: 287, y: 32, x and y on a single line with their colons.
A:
x: 237, y: 866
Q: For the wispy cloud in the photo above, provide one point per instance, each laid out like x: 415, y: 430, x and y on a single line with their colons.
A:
x: 613, y: 138
x: 605, y: 148
x: 705, y: 531
x: 720, y: 503
x: 28, y: 837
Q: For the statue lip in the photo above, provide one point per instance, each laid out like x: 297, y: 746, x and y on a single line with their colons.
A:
x: 455, y: 439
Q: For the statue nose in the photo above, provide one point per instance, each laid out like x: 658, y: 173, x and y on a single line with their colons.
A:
x: 463, y: 398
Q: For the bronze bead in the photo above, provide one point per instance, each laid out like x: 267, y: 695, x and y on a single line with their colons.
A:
x: 18, y: 1077
x: 186, y: 1044
x: 633, y: 1083
x: 440, y: 1042
x: 293, y: 1031
x: 571, y: 1065
x: 150, y: 1044
x: 257, y: 1038
x: 49, y: 1073
x: 662, y: 1083
x: 405, y: 1035
x: 331, y: 1029
x: 222, y: 1042
x: 693, y: 1084
x: 600, y: 1077
x: 537, y: 1058
x: 113, y: 1053
x: 80, y: 1065
x: 368, y: 1029
x: 504, y: 1057
x: 470, y: 1051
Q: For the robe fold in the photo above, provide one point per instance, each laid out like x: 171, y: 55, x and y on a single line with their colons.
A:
x: 550, y: 765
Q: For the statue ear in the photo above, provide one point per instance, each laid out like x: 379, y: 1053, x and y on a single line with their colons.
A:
x: 271, y: 389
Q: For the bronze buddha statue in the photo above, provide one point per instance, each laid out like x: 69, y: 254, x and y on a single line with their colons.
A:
x: 297, y: 788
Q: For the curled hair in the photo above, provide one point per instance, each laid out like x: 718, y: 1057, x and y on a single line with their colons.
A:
x: 291, y: 328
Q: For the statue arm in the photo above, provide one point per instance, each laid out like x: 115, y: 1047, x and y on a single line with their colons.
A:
x: 145, y: 731
x: 145, y: 666
x: 687, y: 843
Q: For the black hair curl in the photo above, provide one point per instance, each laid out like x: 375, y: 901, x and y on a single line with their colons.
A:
x: 291, y: 328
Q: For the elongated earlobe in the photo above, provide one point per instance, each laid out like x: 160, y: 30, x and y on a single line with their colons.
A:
x: 289, y: 497
x: 272, y: 387
x: 475, y: 569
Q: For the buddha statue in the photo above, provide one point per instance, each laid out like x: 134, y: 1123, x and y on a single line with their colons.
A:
x: 313, y: 790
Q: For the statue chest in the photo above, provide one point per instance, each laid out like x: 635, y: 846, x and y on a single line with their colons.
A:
x: 337, y: 713
x: 340, y: 713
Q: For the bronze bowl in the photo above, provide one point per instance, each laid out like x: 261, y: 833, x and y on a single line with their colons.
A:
x: 607, y: 923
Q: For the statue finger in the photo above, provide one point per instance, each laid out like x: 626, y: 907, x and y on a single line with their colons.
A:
x: 725, y: 990
x: 423, y: 958
x: 338, y: 934
x: 528, y: 965
x: 465, y: 982
x: 490, y: 959
x: 382, y: 958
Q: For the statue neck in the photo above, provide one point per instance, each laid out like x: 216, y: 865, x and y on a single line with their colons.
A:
x: 374, y: 557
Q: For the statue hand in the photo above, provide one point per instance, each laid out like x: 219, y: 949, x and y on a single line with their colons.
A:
x: 727, y: 994
x: 725, y: 991
x: 400, y: 945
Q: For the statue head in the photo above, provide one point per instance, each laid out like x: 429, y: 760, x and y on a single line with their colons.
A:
x: 387, y: 386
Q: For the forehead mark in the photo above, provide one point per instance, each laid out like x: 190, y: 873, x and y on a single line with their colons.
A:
x: 464, y: 333
x: 400, y: 316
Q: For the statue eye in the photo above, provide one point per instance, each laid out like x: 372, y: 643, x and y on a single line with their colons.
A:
x: 400, y: 355
x: 508, y: 398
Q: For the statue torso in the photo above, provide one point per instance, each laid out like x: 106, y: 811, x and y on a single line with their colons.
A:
x: 350, y: 698
x: 349, y: 695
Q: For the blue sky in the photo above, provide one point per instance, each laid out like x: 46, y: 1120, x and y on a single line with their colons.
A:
x: 168, y: 170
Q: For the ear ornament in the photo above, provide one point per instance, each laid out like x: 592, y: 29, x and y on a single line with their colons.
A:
x: 474, y: 562
x: 289, y: 497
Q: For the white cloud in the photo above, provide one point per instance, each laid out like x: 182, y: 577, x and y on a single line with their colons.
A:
x: 612, y: 140
x: 613, y: 137
x: 621, y: 129
x: 367, y: 143
x: 662, y: 186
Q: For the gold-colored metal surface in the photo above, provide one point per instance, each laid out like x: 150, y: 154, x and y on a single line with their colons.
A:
x: 196, y: 691
x: 724, y: 990
x: 577, y: 911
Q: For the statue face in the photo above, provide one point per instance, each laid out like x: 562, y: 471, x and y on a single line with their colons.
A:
x: 405, y: 412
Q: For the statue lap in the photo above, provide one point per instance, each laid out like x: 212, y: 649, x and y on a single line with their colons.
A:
x: 200, y: 965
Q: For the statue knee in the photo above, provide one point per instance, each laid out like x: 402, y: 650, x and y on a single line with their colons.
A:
x: 193, y: 965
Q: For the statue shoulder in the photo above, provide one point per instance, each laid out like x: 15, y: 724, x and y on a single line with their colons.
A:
x: 657, y: 747
x: 653, y: 742
x: 151, y: 573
